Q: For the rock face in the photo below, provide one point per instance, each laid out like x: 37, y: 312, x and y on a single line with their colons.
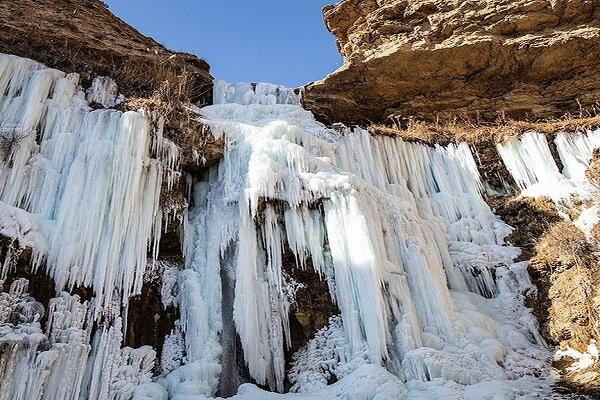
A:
x: 528, y: 58
x: 84, y: 36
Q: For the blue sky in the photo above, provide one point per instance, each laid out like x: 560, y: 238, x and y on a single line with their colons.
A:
x: 278, y: 41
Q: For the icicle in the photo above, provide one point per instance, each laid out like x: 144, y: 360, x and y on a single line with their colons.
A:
x: 575, y: 151
x: 88, y: 177
x: 530, y: 162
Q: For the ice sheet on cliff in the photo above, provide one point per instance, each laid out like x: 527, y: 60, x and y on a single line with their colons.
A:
x: 430, y: 298
x: 89, y: 178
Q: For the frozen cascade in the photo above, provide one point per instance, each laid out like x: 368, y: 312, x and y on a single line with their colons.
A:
x: 575, y: 151
x: 60, y: 363
x: 431, y: 300
x: 530, y: 162
x: 429, y: 295
x: 199, y: 295
x: 80, y: 188
x: 88, y: 178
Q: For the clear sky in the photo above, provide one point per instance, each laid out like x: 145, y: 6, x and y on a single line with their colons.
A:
x: 278, y: 41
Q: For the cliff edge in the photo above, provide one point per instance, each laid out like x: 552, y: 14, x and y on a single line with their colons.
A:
x: 528, y: 59
x: 84, y: 36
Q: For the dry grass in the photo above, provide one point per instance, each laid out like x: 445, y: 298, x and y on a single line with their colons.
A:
x: 531, y: 217
x: 504, y: 129
x: 563, y: 245
x: 162, y: 78
x: 168, y: 105
x: 563, y: 268
x: 593, y: 171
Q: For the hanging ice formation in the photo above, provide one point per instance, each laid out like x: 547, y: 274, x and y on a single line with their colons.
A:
x: 431, y: 301
x: 533, y: 167
x: 88, y: 178
x: 80, y: 188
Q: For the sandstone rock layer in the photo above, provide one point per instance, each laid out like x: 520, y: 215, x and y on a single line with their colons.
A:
x: 530, y: 59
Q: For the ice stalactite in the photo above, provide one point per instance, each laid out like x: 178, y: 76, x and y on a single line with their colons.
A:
x: 79, y: 187
x: 575, y: 151
x: 531, y: 164
x: 92, y: 178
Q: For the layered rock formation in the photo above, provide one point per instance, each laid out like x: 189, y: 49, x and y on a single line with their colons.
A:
x: 425, y: 58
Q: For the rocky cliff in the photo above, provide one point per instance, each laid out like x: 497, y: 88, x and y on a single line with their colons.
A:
x: 84, y: 36
x: 254, y: 292
x: 530, y: 59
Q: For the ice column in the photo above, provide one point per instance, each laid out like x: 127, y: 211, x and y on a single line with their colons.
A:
x: 92, y: 177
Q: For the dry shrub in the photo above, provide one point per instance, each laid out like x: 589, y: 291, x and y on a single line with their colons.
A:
x: 414, y: 131
x: 474, y: 132
x: 593, y: 171
x: 572, y: 319
x: 562, y: 245
x: 530, y: 216
x: 169, y: 103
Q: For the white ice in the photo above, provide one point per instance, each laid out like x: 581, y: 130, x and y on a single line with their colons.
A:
x: 533, y: 167
x: 90, y: 179
x: 431, y: 300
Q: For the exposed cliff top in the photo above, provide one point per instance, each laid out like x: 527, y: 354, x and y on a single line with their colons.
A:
x: 530, y: 58
x: 84, y: 36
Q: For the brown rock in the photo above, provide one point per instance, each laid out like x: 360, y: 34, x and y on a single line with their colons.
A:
x: 84, y: 36
x: 530, y: 58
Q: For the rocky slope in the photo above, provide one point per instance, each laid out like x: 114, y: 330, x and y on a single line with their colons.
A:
x: 84, y: 36
x: 425, y: 58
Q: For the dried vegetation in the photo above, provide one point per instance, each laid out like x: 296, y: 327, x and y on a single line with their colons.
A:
x: 474, y: 132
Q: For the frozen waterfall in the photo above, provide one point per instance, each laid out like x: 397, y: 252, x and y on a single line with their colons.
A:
x: 80, y: 188
x: 431, y: 300
x: 87, y: 177
x: 532, y: 165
